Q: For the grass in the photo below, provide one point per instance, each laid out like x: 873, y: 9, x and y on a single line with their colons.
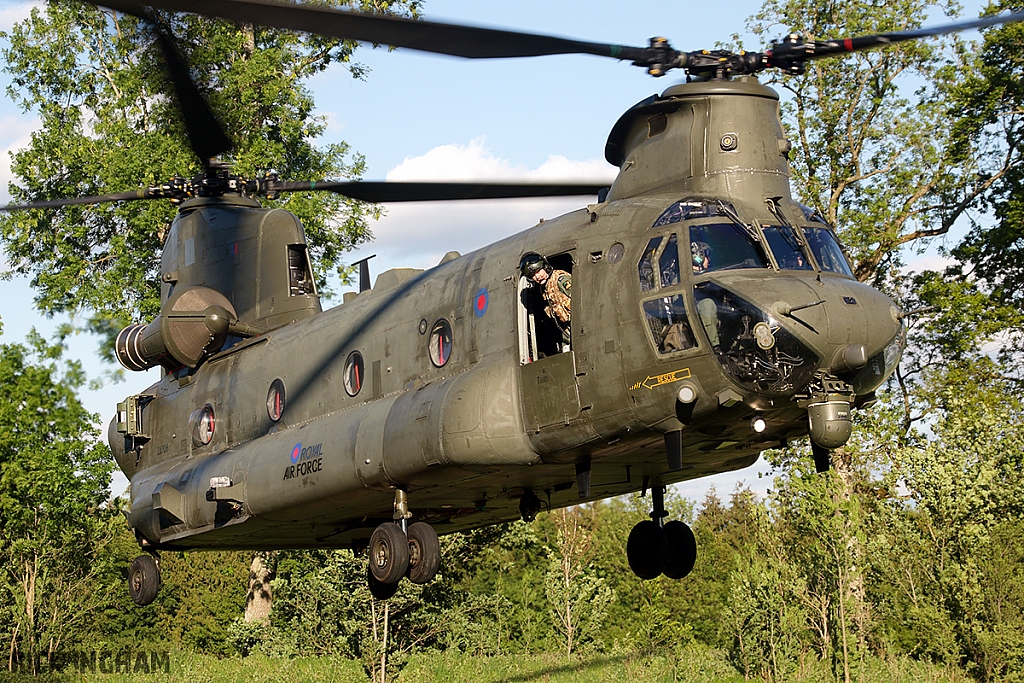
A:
x: 692, y: 664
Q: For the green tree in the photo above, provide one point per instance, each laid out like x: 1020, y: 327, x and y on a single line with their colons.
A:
x: 867, y: 152
x: 577, y: 596
x: 991, y: 102
x: 53, y: 481
x: 107, y: 125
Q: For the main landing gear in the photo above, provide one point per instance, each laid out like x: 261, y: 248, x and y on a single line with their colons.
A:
x: 144, y: 579
x: 399, y: 549
x: 655, y: 547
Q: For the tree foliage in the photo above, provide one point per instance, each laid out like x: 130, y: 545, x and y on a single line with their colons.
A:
x: 107, y: 124
x: 867, y: 153
x: 53, y: 480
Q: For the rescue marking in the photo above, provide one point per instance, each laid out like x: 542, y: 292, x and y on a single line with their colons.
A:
x: 659, y: 380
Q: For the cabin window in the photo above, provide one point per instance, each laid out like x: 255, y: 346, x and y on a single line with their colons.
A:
x: 354, y: 373
x: 275, y: 400
x: 666, y: 318
x: 202, y: 424
x: 783, y: 241
x: 668, y: 262
x: 723, y: 246
x: 826, y: 251
x: 440, y: 343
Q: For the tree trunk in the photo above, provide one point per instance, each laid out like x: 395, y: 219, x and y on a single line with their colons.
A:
x: 259, y: 599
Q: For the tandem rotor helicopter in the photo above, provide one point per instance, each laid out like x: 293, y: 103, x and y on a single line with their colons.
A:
x: 712, y: 317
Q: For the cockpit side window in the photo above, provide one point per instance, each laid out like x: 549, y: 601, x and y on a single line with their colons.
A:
x: 723, y: 246
x: 782, y: 240
x: 826, y: 251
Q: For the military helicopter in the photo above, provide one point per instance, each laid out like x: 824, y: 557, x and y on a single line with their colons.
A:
x: 712, y: 317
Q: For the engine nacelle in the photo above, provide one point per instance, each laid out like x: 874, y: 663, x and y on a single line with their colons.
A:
x: 193, y: 322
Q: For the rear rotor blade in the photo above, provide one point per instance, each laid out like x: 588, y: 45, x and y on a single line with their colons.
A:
x: 141, y: 193
x: 206, y: 136
x: 431, y: 191
x: 447, y: 39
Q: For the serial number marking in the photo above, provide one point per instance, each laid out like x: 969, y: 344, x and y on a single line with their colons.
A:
x: 659, y: 380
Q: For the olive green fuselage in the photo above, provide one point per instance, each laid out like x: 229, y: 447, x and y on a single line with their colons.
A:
x: 506, y: 413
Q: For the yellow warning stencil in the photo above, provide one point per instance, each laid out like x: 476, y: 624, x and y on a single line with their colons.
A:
x: 658, y: 380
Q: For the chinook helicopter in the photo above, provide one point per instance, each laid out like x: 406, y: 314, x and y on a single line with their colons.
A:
x: 712, y: 317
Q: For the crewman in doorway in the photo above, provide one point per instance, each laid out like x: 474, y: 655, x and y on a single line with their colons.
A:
x: 556, y: 288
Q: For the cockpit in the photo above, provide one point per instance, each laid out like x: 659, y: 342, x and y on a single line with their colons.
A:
x: 687, y: 308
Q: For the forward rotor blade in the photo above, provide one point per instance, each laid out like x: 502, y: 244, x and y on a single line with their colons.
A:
x: 781, y: 53
x: 430, y: 191
x: 141, y: 193
x: 448, y: 39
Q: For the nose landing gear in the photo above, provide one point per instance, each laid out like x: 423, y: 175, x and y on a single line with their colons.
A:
x: 399, y: 549
x: 655, y: 548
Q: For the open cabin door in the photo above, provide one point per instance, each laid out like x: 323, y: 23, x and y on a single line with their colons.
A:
x: 547, y: 366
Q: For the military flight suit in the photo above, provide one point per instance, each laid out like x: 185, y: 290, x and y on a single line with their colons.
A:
x: 557, y: 293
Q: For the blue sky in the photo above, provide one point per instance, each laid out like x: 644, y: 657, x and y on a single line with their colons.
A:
x: 419, y: 116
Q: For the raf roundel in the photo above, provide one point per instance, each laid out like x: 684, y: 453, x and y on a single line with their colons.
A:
x: 296, y: 452
x: 480, y: 303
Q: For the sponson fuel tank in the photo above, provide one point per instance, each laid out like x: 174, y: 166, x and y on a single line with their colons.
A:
x: 321, y: 476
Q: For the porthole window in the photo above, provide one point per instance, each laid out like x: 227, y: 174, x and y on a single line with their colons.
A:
x: 203, y: 425
x: 354, y: 373
x: 440, y: 342
x: 275, y: 400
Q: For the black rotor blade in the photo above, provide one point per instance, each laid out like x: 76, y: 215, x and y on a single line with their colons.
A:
x: 432, y: 191
x: 206, y: 136
x: 448, y: 39
x: 782, y: 53
x: 141, y: 193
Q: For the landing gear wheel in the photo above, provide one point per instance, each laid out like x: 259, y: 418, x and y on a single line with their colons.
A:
x: 380, y: 591
x: 389, y: 553
x: 682, y: 549
x: 647, y: 550
x: 143, y: 579
x: 424, y: 552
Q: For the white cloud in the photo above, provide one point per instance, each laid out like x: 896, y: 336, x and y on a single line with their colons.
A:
x: 336, y: 123
x: 13, y: 12
x: 418, y: 234
x: 929, y: 261
x: 15, y: 133
x: 474, y: 161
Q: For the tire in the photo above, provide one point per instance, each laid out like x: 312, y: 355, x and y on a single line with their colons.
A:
x: 143, y: 580
x: 682, y: 549
x: 647, y: 550
x: 380, y: 591
x: 424, y: 553
x: 389, y: 553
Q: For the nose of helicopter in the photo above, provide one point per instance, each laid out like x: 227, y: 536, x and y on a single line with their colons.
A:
x: 775, y: 335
